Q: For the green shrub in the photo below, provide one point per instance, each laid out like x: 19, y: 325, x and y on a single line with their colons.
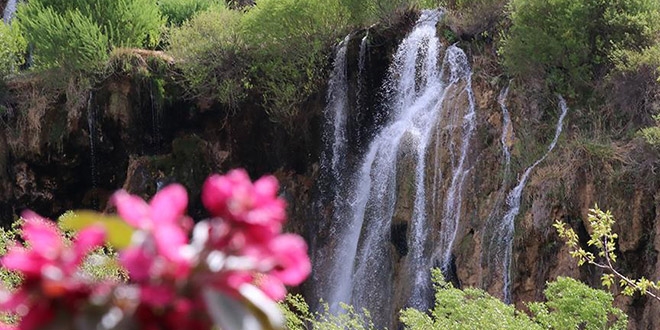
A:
x: 574, y: 305
x: 80, y: 33
x: 12, y: 49
x: 71, y: 40
x: 299, y: 317
x: 179, y: 11
x: 470, y: 18
x: 570, y: 305
x: 465, y: 309
x: 571, y: 42
x: 289, y: 40
x: 211, y: 54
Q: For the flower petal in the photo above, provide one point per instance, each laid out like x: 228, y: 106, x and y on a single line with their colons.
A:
x: 42, y: 234
x: 133, y: 209
x: 169, y: 204
x: 293, y: 263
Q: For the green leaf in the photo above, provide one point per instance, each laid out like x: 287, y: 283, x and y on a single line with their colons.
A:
x: 118, y: 231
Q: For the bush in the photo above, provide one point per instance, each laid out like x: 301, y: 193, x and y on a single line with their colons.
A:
x: 211, y: 54
x: 299, y: 317
x: 573, y: 305
x: 571, y: 42
x: 469, y: 18
x: 179, y: 11
x: 570, y: 305
x: 289, y: 40
x: 71, y: 40
x: 80, y: 33
x: 12, y: 49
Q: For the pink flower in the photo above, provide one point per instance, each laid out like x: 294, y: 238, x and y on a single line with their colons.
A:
x: 292, y: 265
x: 49, y: 266
x: 48, y: 255
x: 163, y: 218
x: 288, y: 263
x: 235, y: 198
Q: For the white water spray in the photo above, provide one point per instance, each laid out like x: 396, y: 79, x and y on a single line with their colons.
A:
x: 91, y: 126
x: 506, y: 230
x: 10, y: 9
x: 454, y: 198
x: 417, y: 86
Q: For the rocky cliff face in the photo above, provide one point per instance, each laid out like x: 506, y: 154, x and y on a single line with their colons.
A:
x: 70, y: 148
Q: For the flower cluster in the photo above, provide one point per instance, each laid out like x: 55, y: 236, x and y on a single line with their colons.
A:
x: 182, y: 275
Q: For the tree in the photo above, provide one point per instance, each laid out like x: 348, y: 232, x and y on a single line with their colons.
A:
x: 572, y: 42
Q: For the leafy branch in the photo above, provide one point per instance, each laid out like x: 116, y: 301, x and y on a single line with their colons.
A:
x: 603, y: 238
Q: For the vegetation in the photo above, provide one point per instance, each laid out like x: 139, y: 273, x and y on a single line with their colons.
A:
x: 573, y: 42
x: 603, y: 238
x: 570, y: 305
x: 79, y: 34
x: 299, y: 316
x: 179, y: 11
x: 212, y: 56
x: 12, y: 48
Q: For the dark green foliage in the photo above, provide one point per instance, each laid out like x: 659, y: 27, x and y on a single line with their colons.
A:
x: 288, y: 40
x: 71, y: 40
x: 572, y: 42
x: 179, y: 11
x: 211, y: 54
x: 12, y: 47
x: 80, y: 33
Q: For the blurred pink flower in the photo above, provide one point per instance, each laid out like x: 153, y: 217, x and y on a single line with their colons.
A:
x: 235, y: 198
x: 50, y: 268
x: 163, y: 218
x: 48, y: 255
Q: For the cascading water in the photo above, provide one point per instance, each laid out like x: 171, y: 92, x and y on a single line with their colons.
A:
x: 336, y: 115
x: 362, y: 59
x: 490, y: 253
x: 10, y: 9
x: 454, y: 199
x: 155, y: 116
x: 361, y: 272
x: 504, y: 232
x: 91, y: 126
x: 333, y: 161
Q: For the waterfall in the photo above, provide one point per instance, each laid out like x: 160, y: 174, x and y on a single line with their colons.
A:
x: 336, y: 112
x: 361, y: 272
x: 10, y: 9
x: 155, y: 117
x: 91, y: 126
x: 362, y: 57
x: 454, y: 199
x: 490, y: 253
x: 506, y: 229
x: 332, y: 165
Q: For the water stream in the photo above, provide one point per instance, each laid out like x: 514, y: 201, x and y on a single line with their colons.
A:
x: 417, y: 86
x: 10, y: 9
x: 91, y: 126
x: 506, y: 229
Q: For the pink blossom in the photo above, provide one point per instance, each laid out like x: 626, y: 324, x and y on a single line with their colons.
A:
x: 163, y: 218
x: 292, y: 265
x: 49, y: 266
x: 48, y: 254
x: 235, y: 198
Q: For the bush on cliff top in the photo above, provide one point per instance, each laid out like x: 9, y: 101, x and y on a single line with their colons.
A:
x: 572, y: 42
x: 79, y: 34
